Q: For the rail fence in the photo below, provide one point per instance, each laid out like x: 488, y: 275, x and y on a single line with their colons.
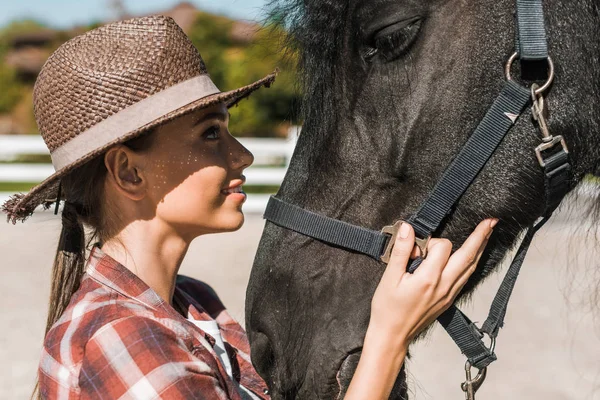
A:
x: 18, y: 155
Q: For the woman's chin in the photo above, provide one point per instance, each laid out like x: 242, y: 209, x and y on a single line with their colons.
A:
x: 238, y: 224
x: 233, y: 221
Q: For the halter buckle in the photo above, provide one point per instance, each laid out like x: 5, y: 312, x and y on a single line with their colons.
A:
x: 548, y: 144
x: 392, y: 230
x: 422, y: 245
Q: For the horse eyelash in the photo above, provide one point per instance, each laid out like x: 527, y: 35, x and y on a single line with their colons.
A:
x: 397, y: 43
x: 369, y: 53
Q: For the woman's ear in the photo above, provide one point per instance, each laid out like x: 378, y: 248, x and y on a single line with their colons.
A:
x: 124, y: 172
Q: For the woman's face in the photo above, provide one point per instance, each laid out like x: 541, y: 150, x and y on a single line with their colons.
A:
x: 193, y: 173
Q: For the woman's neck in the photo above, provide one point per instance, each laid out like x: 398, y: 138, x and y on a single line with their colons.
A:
x: 152, y: 251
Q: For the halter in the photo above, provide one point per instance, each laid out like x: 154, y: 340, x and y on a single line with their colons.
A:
x: 552, y: 155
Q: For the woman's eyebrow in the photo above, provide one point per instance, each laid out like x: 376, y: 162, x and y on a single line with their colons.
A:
x: 215, y: 115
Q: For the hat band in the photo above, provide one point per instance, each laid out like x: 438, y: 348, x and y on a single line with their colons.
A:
x: 132, y: 118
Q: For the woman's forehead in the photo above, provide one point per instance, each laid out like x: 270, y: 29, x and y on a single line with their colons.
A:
x: 217, y: 111
x: 192, y: 119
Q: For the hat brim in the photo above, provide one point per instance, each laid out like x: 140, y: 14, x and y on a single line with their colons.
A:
x: 20, y: 206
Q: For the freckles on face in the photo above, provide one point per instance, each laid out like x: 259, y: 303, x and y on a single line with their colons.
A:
x: 192, y: 160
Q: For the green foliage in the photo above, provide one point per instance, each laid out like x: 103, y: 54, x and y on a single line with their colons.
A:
x: 267, y: 112
x: 21, y: 27
x: 232, y: 63
x: 14, y: 187
x: 11, y: 90
x: 211, y: 36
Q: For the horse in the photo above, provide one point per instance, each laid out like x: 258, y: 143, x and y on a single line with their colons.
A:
x: 392, y: 91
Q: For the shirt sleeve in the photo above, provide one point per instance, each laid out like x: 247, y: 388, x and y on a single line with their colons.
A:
x: 137, y: 357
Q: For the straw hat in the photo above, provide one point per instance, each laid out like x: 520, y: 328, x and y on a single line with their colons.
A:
x: 110, y: 85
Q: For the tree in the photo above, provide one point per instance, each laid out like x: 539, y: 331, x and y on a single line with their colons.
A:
x: 231, y: 65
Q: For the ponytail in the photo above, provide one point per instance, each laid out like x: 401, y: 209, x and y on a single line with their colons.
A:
x: 68, y: 269
x: 69, y: 263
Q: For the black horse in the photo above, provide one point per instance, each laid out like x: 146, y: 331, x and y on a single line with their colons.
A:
x: 393, y: 89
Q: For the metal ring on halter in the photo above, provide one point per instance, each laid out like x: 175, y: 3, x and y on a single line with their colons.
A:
x: 548, y: 82
x: 492, y: 342
x: 471, y: 385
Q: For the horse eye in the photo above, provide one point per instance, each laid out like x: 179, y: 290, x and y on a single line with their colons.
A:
x: 394, y: 41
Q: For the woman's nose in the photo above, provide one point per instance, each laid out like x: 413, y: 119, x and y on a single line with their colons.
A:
x: 241, y: 157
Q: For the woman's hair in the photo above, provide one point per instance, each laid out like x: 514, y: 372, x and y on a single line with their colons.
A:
x: 85, y: 206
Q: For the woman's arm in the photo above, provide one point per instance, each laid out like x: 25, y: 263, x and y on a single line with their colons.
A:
x: 404, y: 304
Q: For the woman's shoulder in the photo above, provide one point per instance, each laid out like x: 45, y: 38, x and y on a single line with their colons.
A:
x: 96, y: 311
x: 109, y: 358
x: 102, y: 326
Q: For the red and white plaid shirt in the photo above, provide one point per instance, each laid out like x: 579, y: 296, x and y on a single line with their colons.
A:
x: 119, y: 339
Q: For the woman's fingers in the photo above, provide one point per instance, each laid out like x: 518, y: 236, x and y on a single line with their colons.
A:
x: 403, y: 247
x: 453, y: 269
x: 470, y: 252
x: 462, y: 280
x: 438, y: 252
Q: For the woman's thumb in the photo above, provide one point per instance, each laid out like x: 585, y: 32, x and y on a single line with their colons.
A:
x: 403, y: 247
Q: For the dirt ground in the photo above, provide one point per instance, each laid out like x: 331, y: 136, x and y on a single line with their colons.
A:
x: 549, y: 348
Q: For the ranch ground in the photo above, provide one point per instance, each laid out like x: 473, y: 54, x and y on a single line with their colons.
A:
x: 549, y: 348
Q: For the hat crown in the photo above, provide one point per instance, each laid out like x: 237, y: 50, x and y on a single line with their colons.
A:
x: 97, y: 74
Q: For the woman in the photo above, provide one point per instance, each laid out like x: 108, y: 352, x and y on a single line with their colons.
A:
x: 138, y: 136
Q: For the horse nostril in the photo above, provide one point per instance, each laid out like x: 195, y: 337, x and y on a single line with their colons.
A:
x: 346, y: 371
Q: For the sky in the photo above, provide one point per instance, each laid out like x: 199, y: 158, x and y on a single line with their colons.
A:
x: 67, y: 13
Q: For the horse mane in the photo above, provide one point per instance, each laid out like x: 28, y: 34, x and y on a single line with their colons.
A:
x: 317, y: 66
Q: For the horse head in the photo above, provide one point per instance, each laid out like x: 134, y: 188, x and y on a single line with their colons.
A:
x: 393, y: 90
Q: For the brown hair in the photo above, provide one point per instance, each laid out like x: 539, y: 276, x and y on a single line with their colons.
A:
x: 85, y: 206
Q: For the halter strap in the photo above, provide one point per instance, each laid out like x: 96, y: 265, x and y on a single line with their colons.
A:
x: 474, y: 155
x: 331, y: 231
x: 531, y: 43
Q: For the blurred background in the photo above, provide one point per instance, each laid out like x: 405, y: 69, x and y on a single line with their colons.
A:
x: 550, y: 348
x: 227, y: 33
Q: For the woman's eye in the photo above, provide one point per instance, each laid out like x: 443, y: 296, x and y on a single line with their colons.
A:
x: 394, y: 41
x: 212, y: 133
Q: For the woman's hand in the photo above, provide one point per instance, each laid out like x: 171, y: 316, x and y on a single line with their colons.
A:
x: 404, y: 304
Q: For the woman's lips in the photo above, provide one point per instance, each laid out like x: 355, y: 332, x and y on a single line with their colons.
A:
x: 236, y: 189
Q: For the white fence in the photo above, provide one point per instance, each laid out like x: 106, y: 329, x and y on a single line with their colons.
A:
x: 271, y: 159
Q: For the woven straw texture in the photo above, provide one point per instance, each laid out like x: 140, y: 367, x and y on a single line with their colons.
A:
x: 96, y: 75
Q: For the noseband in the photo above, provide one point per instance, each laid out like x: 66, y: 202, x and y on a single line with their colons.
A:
x: 552, y: 155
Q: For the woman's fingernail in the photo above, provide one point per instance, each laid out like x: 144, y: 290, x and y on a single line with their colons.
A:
x: 493, y: 223
x: 404, y: 230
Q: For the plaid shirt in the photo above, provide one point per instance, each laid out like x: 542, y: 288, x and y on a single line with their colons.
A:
x: 119, y: 339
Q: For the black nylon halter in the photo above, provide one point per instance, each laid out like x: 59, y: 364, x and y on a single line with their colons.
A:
x: 512, y: 102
